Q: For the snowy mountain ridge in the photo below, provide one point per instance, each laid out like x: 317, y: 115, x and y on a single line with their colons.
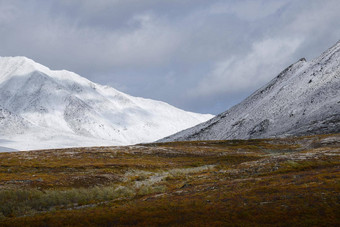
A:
x: 304, y: 99
x: 42, y: 108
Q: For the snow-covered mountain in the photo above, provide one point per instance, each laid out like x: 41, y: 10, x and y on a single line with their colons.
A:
x: 41, y: 108
x: 303, y: 99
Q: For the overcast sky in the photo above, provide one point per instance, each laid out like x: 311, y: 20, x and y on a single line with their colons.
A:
x: 199, y: 55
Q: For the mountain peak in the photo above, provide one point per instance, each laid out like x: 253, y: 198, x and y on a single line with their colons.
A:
x: 21, y: 60
x: 19, y: 66
x: 327, y: 56
x: 302, y: 100
x: 44, y: 108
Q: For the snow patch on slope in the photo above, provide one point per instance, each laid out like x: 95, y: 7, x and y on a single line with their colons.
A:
x: 41, y: 108
x: 303, y: 99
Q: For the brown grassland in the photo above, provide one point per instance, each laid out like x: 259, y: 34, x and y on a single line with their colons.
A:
x: 266, y: 182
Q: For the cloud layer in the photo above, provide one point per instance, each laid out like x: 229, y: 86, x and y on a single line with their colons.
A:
x: 199, y: 55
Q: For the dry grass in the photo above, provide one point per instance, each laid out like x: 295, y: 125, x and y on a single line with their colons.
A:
x: 281, y: 182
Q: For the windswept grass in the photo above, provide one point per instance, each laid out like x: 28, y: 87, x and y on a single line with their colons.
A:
x: 281, y: 182
x: 25, y: 202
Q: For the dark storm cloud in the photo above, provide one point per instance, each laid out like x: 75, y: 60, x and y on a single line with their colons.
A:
x: 198, y: 55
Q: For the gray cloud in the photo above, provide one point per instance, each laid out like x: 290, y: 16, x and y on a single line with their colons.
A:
x: 234, y: 74
x: 199, y: 55
x: 271, y: 53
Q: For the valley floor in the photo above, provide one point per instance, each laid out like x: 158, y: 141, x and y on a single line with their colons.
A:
x: 281, y: 182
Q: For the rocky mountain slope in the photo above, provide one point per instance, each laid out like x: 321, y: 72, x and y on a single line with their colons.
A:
x: 41, y: 108
x: 304, y: 99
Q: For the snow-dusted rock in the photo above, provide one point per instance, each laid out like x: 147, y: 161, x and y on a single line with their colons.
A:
x: 41, y: 108
x: 304, y: 99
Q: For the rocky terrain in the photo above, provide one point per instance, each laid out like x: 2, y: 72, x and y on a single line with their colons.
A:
x: 304, y: 99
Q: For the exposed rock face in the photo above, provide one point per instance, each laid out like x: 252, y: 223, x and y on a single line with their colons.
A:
x: 304, y: 99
